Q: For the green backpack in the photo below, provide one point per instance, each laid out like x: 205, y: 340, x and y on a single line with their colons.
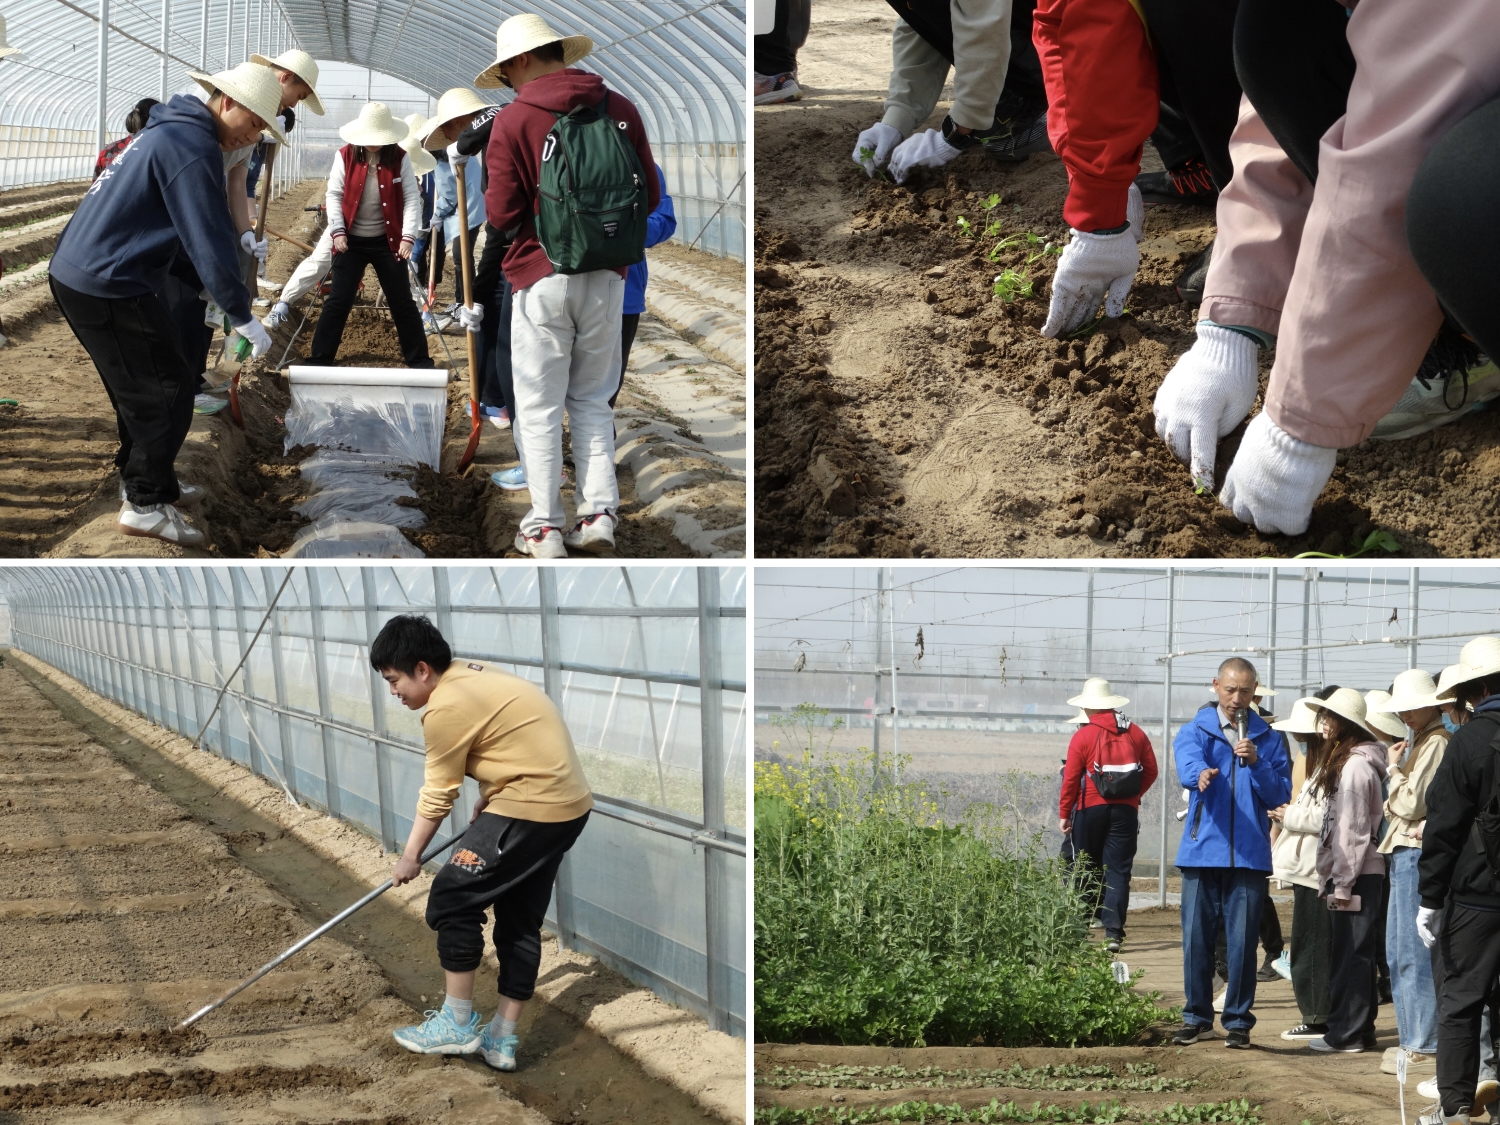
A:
x: 592, y: 203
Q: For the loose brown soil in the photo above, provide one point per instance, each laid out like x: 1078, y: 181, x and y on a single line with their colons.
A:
x: 1289, y: 1082
x: 902, y: 410
x: 87, y: 999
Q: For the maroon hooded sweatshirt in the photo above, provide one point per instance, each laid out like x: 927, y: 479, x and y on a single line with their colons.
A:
x: 513, y: 161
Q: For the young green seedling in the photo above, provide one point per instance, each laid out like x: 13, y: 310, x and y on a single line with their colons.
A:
x: 1012, y: 285
x: 1375, y: 541
x: 966, y: 228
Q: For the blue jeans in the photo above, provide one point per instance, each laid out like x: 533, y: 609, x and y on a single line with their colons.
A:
x: 1233, y: 896
x: 1409, y: 959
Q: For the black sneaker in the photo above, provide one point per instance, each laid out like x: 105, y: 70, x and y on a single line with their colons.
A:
x: 1268, y: 970
x: 1113, y: 944
x: 1020, y: 129
x: 1306, y: 1031
x: 1189, y: 182
x: 1188, y: 1034
x: 1238, y: 1038
x: 1190, y: 289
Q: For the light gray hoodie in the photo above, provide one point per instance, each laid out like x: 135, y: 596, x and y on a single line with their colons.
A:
x: 1347, y: 848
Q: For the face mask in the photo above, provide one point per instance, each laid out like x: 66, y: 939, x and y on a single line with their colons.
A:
x: 1450, y: 724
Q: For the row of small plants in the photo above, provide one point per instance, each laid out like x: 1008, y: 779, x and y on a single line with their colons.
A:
x: 1232, y: 1112
x: 1137, y: 1076
x: 1011, y: 284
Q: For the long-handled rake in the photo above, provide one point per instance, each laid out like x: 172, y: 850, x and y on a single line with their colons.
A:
x: 260, y: 233
x: 425, y: 299
x: 304, y: 942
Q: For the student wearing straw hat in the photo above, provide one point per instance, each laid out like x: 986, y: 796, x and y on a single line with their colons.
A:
x: 455, y: 109
x: 1351, y: 872
x: 1110, y: 765
x: 374, y: 213
x: 1412, y: 764
x: 160, y: 200
x: 565, y: 323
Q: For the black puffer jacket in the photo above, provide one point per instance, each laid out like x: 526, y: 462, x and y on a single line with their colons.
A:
x: 1453, y: 864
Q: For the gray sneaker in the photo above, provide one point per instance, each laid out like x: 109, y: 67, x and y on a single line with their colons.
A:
x: 159, y: 521
x: 1436, y: 1116
x: 594, y: 534
x: 545, y: 544
x: 1428, y: 404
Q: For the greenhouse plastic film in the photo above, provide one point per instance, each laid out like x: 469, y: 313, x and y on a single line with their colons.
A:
x: 332, y: 538
x: 404, y: 423
x: 360, y: 487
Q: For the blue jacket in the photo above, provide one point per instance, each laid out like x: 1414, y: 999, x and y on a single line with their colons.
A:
x: 162, y: 196
x: 1224, y: 827
x: 445, y: 199
x: 661, y: 224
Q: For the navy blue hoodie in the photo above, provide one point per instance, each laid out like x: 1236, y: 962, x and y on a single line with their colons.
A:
x: 162, y: 196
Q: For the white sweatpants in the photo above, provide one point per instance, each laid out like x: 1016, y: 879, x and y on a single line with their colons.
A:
x: 310, y: 271
x: 565, y: 352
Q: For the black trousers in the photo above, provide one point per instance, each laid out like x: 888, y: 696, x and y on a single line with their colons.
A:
x: 1351, y: 980
x: 1450, y: 223
x: 1194, y: 41
x: 629, y: 322
x: 497, y: 386
x: 136, y: 350
x: 509, y: 864
x: 1295, y: 65
x: 1465, y: 962
x: 776, y: 52
x: 1312, y: 952
x: 180, y: 295
x: 348, y: 270
x: 1104, y: 839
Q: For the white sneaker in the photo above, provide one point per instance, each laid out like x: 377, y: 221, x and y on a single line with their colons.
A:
x: 594, y: 534
x: 546, y: 544
x: 268, y: 286
x: 187, y: 494
x: 159, y: 521
x: 1424, y: 408
x: 1219, y: 999
x: 1428, y: 1089
x: 280, y: 313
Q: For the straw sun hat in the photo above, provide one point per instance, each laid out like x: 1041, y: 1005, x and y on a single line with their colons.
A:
x: 1302, y: 720
x: 1079, y: 717
x: 374, y: 127
x: 523, y: 33
x: 1480, y: 657
x: 422, y: 161
x: 254, y: 87
x: 304, y: 66
x: 1412, y: 691
x: 454, y: 104
x: 5, y: 49
x: 1345, y: 703
x: 1098, y: 696
x: 1382, y: 716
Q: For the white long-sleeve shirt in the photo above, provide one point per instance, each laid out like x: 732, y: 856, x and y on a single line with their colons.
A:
x: 981, y: 57
x: 411, y: 197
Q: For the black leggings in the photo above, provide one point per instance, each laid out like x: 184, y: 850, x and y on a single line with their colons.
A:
x: 1295, y: 65
x: 1450, y: 223
x: 348, y: 271
x: 629, y: 322
x: 1352, y: 975
x: 1199, y: 92
x: 509, y: 864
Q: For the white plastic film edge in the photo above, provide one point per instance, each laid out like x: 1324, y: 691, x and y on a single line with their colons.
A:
x: 369, y: 376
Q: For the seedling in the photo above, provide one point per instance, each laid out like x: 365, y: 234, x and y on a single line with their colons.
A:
x: 867, y: 156
x: 1012, y: 285
x: 966, y: 228
x: 1375, y: 541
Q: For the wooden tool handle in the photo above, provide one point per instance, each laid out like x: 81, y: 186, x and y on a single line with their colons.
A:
x: 467, y: 270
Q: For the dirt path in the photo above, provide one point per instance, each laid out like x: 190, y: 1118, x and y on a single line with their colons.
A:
x: 903, y: 411
x: 135, y: 892
x: 1291, y: 1084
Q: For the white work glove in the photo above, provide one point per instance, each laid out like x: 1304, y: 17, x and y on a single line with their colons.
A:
x: 1093, y: 267
x: 1275, y: 478
x: 921, y: 150
x: 872, y: 150
x: 1135, y: 212
x: 260, y: 249
x: 471, y: 316
x: 1428, y: 923
x: 1205, y: 395
x: 254, y: 331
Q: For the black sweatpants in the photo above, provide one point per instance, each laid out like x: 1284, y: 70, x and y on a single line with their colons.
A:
x: 1450, y: 223
x: 1351, y: 980
x: 1312, y: 950
x: 348, y: 270
x: 509, y: 864
x: 1194, y: 41
x: 776, y: 52
x: 1465, y: 963
x: 135, y: 349
x: 1104, y: 839
x: 629, y: 322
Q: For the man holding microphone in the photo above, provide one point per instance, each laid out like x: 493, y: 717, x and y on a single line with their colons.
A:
x: 1235, y: 768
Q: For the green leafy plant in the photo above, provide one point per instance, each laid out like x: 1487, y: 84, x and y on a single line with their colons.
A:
x: 867, y: 156
x: 1238, y: 1112
x: 1012, y: 285
x: 966, y: 228
x: 1376, y: 541
x: 1067, y: 1076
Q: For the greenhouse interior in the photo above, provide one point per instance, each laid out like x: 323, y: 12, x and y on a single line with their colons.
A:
x: 74, y: 75
x: 259, y: 680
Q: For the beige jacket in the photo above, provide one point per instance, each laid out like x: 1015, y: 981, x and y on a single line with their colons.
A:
x: 1294, y: 856
x: 1406, y: 798
x: 981, y: 57
x: 1347, y: 848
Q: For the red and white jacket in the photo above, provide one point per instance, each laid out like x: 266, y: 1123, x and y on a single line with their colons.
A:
x: 400, y: 197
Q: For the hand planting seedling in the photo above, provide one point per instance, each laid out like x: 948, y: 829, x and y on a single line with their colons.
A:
x: 867, y: 156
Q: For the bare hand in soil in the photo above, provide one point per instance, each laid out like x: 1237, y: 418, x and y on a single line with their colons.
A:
x: 1205, y: 777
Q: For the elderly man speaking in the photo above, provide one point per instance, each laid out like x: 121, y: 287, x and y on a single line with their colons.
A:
x: 1235, y: 768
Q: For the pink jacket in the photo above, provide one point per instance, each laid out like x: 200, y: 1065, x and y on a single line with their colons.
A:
x: 1358, y: 313
x: 1351, y: 827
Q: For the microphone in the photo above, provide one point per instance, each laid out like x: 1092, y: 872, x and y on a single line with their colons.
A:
x: 1242, y: 723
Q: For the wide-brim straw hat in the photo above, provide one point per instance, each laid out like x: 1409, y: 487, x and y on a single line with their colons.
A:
x: 1080, y: 717
x: 252, y: 85
x: 1345, y: 703
x: 374, y: 127
x: 527, y: 32
x: 422, y: 161
x: 1381, y: 716
x: 1098, y: 696
x: 1480, y: 657
x: 1302, y: 720
x: 1262, y: 691
x: 1412, y: 691
x: 1448, y: 679
x: 455, y: 103
x: 5, y: 48
x: 304, y: 66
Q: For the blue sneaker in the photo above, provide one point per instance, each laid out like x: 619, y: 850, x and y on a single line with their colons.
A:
x: 500, y: 1052
x: 512, y: 480
x: 440, y: 1035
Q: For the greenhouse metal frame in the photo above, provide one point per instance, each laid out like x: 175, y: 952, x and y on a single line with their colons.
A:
x: 268, y: 666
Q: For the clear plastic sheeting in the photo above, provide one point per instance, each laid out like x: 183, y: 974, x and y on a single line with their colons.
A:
x: 335, y: 538
x: 646, y: 664
x: 402, y: 422
x: 358, y: 486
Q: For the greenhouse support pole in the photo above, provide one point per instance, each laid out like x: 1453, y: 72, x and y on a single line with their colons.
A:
x: 278, y: 680
x: 875, y: 710
x: 103, y: 70
x: 331, y: 798
x: 1271, y: 573
x: 228, y: 32
x: 1166, y: 736
x: 895, y: 687
x: 379, y: 689
x: 166, y: 27
x: 715, y: 862
x: 1413, y: 597
x: 1088, y: 629
x: 546, y: 587
x: 1306, y: 611
x: 203, y: 39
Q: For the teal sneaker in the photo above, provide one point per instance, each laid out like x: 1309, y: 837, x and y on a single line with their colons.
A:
x: 512, y: 480
x: 440, y: 1035
x: 499, y: 1052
